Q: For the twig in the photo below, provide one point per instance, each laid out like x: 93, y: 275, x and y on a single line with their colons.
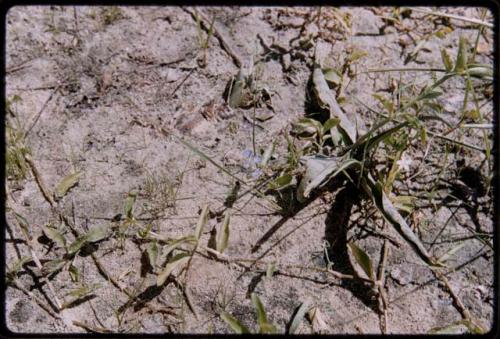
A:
x: 38, y: 178
x: 403, y: 69
x: 180, y: 84
x: 47, y: 281
x: 382, y: 299
x: 458, y: 302
x: 456, y: 17
x: 18, y: 67
x: 206, y: 26
x: 224, y: 258
x: 37, y: 116
x: 90, y: 328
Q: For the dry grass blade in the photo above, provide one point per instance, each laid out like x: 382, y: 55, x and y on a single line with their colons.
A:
x: 297, y: 319
x: 202, y: 221
x: 190, y: 239
x: 223, y: 238
x: 390, y: 213
x: 264, y: 325
x: 176, y: 261
x: 456, y: 17
x: 327, y: 100
x: 234, y: 323
x: 206, y: 157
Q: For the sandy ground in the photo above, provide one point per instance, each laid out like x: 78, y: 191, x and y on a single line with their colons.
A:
x: 94, y: 84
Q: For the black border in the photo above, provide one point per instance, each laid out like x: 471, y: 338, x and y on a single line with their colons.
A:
x: 492, y: 5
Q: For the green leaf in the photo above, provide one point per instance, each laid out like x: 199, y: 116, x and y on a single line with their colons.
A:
x: 332, y: 76
x: 404, y: 203
x: 429, y: 95
x: 202, y: 221
x: 297, y: 319
x: 80, y: 293
x: 223, y: 238
x: 152, y: 251
x: 455, y: 328
x: 83, y: 291
x: 443, y: 32
x: 53, y: 266
x: 18, y: 265
x: 485, y: 73
x: 76, y: 245
x: 413, y: 55
x: 363, y: 260
x: 178, y: 260
x: 54, y: 235
x: 235, y: 325
x: 66, y: 183
x: 98, y: 233
x: 23, y: 223
x: 190, y: 239
x: 143, y: 233
x: 329, y: 124
x: 281, y: 182
x: 461, y: 62
x: 447, y: 62
x: 356, y: 54
x: 73, y: 273
x: 129, y: 204
x: 259, y: 308
x: 268, y: 328
x: 472, y: 327
x: 265, y: 326
x: 271, y: 268
x: 387, y: 104
x: 306, y: 128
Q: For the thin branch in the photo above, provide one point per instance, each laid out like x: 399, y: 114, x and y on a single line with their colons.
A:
x: 39, y: 180
x: 90, y: 328
x: 37, y: 116
x: 206, y: 26
x: 456, y: 17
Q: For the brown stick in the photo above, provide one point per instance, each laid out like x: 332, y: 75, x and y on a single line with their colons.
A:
x: 89, y: 328
x: 457, y: 301
x: 37, y: 116
x: 206, y: 26
x: 39, y: 180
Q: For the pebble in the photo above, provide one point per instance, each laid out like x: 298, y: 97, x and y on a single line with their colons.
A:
x: 287, y: 60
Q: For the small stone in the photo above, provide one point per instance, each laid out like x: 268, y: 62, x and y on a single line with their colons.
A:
x: 402, y: 276
x: 26, y: 201
x: 287, y: 60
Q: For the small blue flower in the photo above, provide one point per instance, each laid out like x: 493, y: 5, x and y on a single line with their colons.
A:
x: 251, y: 162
